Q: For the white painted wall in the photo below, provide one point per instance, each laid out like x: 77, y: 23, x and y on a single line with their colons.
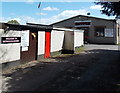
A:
x: 41, y: 42
x: 78, y: 38
x: 9, y: 52
x: 56, y: 40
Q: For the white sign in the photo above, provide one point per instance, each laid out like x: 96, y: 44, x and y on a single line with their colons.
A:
x: 108, y: 32
x: 25, y: 38
x: 25, y: 48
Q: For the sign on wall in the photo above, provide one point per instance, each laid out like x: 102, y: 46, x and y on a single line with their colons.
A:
x: 25, y: 48
x: 108, y: 32
x: 25, y: 40
x: 84, y: 23
x: 5, y: 40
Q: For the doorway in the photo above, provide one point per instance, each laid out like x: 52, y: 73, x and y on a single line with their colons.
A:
x: 31, y: 53
x: 86, y: 35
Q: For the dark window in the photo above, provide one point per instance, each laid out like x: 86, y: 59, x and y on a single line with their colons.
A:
x: 82, y: 23
x: 99, y: 31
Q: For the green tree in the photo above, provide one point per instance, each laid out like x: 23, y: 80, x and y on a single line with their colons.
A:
x: 13, y: 22
x: 110, y: 8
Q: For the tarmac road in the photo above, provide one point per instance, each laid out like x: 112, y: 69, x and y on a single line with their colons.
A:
x: 102, y: 76
x: 95, y: 70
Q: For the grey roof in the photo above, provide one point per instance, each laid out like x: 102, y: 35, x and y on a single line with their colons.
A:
x: 83, y: 16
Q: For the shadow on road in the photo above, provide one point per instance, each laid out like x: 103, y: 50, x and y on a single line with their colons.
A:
x: 92, y: 70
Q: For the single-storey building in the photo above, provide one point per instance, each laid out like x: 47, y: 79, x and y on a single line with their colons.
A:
x: 96, y: 30
x: 24, y: 43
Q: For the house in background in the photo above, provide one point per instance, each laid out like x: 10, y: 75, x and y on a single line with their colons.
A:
x: 96, y: 30
x: 25, y: 43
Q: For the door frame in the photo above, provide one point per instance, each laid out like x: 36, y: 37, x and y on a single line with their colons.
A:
x: 23, y: 58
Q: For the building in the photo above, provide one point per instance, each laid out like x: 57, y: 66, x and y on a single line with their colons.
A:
x: 96, y: 30
x: 24, y: 43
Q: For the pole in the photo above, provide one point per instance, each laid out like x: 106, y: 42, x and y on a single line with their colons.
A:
x: 39, y: 5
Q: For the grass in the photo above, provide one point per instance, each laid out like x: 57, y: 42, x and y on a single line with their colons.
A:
x: 118, y: 43
x: 79, y: 49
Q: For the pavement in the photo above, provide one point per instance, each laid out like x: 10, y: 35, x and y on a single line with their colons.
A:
x: 96, y: 69
x: 100, y: 46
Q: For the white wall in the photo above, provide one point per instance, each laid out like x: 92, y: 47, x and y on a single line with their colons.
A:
x: 56, y: 40
x: 78, y: 38
x: 9, y: 52
x: 41, y: 42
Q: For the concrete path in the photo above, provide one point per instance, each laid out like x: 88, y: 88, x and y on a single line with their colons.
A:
x: 96, y: 69
x: 106, y: 47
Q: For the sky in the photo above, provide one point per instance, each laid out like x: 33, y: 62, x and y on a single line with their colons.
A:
x: 49, y: 12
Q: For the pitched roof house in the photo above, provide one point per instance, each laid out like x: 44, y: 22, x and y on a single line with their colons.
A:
x: 96, y: 30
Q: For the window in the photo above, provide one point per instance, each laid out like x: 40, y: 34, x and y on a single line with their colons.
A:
x: 109, y: 32
x: 99, y: 31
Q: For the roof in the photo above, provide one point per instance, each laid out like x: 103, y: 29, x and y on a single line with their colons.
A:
x: 83, y: 16
x: 25, y: 27
x: 58, y: 28
x: 34, y: 27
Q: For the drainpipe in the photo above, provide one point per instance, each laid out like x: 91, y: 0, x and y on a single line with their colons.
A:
x: 47, y: 43
x: 114, y: 32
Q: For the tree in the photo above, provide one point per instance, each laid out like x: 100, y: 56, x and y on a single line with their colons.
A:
x: 110, y: 8
x: 13, y: 22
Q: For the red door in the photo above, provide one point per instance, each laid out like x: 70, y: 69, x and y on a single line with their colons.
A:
x: 47, y: 44
x: 31, y: 54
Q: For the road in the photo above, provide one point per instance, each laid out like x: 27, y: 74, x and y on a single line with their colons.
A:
x: 95, y: 70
